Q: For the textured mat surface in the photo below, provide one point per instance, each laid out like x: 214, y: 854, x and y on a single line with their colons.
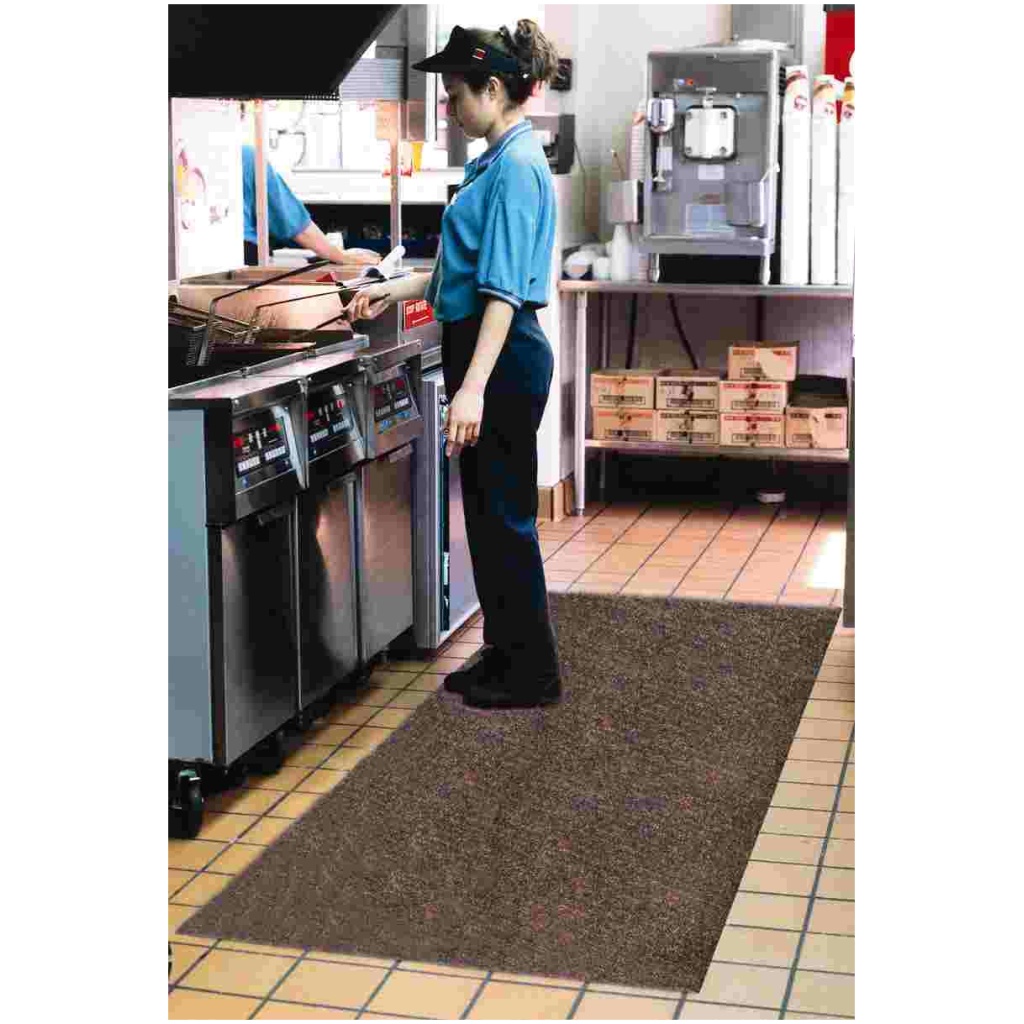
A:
x: 603, y: 838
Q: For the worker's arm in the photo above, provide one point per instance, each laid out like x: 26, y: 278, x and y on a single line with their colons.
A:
x: 311, y: 237
x: 466, y: 410
x: 371, y: 301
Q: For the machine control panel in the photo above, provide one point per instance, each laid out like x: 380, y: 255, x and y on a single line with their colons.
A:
x: 261, y: 447
x: 393, y: 402
x: 331, y: 420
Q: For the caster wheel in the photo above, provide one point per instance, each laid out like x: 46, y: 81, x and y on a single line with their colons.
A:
x: 187, y: 804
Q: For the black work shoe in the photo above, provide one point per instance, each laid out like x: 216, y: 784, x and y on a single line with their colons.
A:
x: 500, y: 695
x: 481, y: 669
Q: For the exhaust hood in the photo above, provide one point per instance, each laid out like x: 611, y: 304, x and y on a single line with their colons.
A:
x: 271, y: 51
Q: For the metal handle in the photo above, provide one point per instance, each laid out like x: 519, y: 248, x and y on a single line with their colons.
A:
x: 268, y: 516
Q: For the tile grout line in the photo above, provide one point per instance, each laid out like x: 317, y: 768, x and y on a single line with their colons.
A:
x: 704, y: 550
x: 476, y: 996
x: 576, y: 1001
x: 757, y: 544
x: 373, y: 995
x: 799, y: 558
x: 280, y: 981
x: 817, y: 877
x: 657, y: 548
x: 679, y: 1007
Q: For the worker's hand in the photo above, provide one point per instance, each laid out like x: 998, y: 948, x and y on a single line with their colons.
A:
x: 362, y: 257
x: 369, y: 302
x: 462, y: 424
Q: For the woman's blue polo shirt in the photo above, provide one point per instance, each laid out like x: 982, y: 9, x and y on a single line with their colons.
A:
x: 498, y: 231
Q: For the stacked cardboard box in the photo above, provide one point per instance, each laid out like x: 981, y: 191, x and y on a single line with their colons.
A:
x: 754, y: 398
x: 817, y: 416
x: 623, y: 404
x: 686, y: 406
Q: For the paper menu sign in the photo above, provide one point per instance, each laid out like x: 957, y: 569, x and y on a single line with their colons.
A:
x: 206, y: 164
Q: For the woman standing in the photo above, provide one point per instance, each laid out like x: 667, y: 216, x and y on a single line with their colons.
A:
x: 490, y: 277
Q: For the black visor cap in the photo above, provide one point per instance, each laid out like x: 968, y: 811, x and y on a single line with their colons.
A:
x: 464, y: 54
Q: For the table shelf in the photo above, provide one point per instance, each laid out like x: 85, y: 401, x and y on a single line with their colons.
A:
x: 750, y: 291
x: 709, y: 451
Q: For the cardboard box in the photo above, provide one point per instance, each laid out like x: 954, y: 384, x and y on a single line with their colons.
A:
x: 753, y: 429
x: 686, y: 427
x: 687, y: 389
x: 623, y: 424
x: 622, y: 389
x: 753, y: 396
x: 763, y: 361
x: 812, y: 427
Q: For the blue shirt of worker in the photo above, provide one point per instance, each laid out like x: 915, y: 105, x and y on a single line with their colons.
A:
x: 286, y: 216
x: 498, y: 231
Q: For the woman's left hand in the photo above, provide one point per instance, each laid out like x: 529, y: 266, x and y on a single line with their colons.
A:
x: 462, y: 425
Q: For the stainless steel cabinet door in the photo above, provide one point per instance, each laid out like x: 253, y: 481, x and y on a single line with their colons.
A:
x: 258, y: 681
x: 328, y: 603
x: 462, y: 587
x: 384, y: 496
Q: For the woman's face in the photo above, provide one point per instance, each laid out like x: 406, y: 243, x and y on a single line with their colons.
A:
x: 473, y: 112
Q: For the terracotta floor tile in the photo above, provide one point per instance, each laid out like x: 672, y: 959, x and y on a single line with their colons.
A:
x: 184, y: 958
x: 787, y: 879
x: 648, y: 587
x: 699, y: 592
x: 443, y: 666
x: 293, y: 1011
x: 392, y: 679
x: 822, y: 773
x: 431, y: 968
x: 846, y: 799
x: 411, y: 698
x: 822, y: 993
x: 505, y: 1001
x: 840, y: 853
x: 330, y: 984
x: 605, y: 1006
x: 294, y: 805
x: 693, y: 1010
x: 828, y: 953
x: 756, y: 910
x: 832, y: 917
x: 192, y: 854
x: 818, y: 750
x: 236, y: 858
x: 282, y: 780
x: 177, y: 879
x: 201, y: 889
x: 598, y: 583
x: 744, y: 986
x: 842, y: 826
x: 441, y: 996
x: 623, y: 558
x: 351, y: 958
x: 380, y: 696
x: 757, y: 946
x: 242, y: 801
x: 680, y: 562
x: 787, y: 849
x: 310, y: 755
x: 570, y: 563
x: 801, y: 795
x: 185, y: 1005
x: 833, y: 691
x: 557, y: 586
x: 352, y: 715
x: 177, y: 915
x: 635, y: 993
x: 421, y: 684
x: 225, y: 827
x: 830, y: 710
x: 371, y: 736
x: 561, y: 576
x: 785, y: 821
x: 536, y: 979
x: 586, y: 547
x: 816, y: 729
x: 288, y: 952
x: 408, y: 666
x: 346, y: 759
x: 389, y: 718
x: 239, y: 974
x: 267, y: 830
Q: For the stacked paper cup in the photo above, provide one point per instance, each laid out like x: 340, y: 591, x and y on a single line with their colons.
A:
x: 823, y: 180
x: 795, y: 239
x: 844, y: 243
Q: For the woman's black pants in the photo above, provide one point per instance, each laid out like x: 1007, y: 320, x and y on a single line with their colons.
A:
x: 499, y: 493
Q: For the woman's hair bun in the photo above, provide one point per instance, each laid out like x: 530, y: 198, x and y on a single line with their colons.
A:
x: 535, y: 50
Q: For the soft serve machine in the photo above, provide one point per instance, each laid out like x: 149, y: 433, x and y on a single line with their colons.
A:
x: 711, y: 170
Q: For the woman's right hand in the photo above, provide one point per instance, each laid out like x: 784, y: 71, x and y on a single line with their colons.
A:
x: 369, y: 302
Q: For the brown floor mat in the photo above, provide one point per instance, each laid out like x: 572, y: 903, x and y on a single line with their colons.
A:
x: 603, y: 838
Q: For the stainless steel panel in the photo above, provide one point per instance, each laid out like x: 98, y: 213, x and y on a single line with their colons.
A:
x: 189, y: 708
x: 256, y: 681
x: 463, y: 600
x: 329, y: 631
x: 384, y: 542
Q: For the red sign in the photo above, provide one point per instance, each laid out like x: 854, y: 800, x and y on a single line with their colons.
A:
x: 416, y: 313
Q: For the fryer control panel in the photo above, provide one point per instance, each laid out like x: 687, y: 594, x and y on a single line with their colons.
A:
x: 331, y: 421
x: 393, y: 402
x: 261, y: 447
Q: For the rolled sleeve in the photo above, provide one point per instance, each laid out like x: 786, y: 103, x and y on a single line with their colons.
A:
x: 509, y: 236
x: 286, y: 215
